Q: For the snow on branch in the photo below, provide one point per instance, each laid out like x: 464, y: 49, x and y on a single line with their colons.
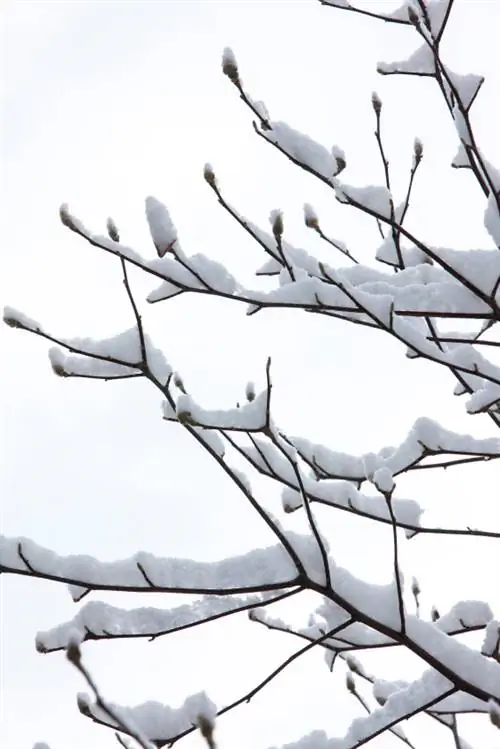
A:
x: 161, y: 723
x: 97, y: 620
x: 127, y: 354
x: 249, y: 417
x: 465, y: 616
x: 426, y: 438
x: 420, y: 695
x: 258, y: 570
x: 337, y: 476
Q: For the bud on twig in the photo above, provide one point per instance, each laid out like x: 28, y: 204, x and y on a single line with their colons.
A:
x: 415, y: 587
x: 376, y: 103
x: 340, y: 160
x: 353, y: 665
x: 209, y: 175
x: 413, y: 16
x: 310, y: 217
x: 112, y: 230
x: 435, y: 615
x: 276, y: 219
x: 494, y: 713
x: 13, y: 322
x: 73, y: 654
x: 350, y: 683
x: 185, y: 417
x: 59, y: 370
x: 206, y: 727
x: 418, y: 151
x: 230, y: 67
x: 178, y: 382
x: 250, y: 392
x: 66, y: 217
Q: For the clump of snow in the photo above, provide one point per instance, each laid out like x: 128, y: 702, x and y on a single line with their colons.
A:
x: 412, y: 256
x: 302, y: 149
x: 16, y: 319
x: 250, y: 417
x: 157, y: 721
x: 376, y: 199
x: 492, y: 220
x: 161, y: 226
x: 491, y: 642
x: 67, y: 365
x: 384, y: 480
x: 420, y: 62
x: 465, y: 615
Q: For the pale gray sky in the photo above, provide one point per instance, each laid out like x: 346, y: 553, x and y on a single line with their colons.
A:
x: 104, y: 103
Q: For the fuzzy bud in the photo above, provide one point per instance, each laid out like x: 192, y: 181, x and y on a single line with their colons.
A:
x: 59, y: 370
x: 73, y: 653
x: 435, y: 615
x: 112, y: 230
x: 415, y: 587
x: 230, y: 67
x: 66, y: 217
x: 83, y: 702
x: 206, y: 727
x: 178, y: 382
x: 13, y: 322
x: 310, y: 217
x: 413, y: 16
x: 340, y: 160
x: 350, y: 683
x: 494, y: 713
x: 185, y: 417
x: 209, y: 175
x: 376, y: 103
x: 250, y: 392
x: 353, y: 665
x: 276, y: 219
x: 418, y: 151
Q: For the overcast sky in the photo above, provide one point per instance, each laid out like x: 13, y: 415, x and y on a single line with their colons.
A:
x: 104, y: 103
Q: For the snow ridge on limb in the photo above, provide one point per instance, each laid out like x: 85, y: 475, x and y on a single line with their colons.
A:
x: 159, y: 722
x: 261, y: 569
x: 97, y: 620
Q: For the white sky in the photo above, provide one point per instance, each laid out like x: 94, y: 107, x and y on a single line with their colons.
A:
x: 105, y: 103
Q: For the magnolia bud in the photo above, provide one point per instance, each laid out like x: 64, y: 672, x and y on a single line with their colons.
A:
x: 413, y: 16
x: 59, y: 370
x: 209, y: 175
x: 310, y: 217
x: 418, y: 150
x: 340, y: 160
x: 376, y: 103
x: 229, y: 66
x: 250, y: 392
x: 66, y: 217
x: 276, y: 219
x: 349, y: 682
x: 73, y: 653
x: 112, y: 230
x: 206, y: 727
